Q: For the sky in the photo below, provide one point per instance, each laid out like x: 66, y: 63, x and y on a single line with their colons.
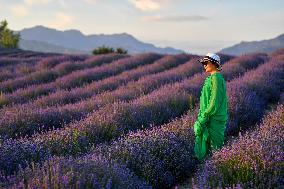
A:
x: 191, y: 25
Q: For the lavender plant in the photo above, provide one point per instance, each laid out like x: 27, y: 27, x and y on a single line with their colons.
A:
x: 26, y: 119
x: 80, y: 76
x: 254, y: 160
x: 45, y: 76
x: 111, y: 83
x: 72, y: 173
x: 163, y: 153
x: 114, y: 119
x: 166, y: 152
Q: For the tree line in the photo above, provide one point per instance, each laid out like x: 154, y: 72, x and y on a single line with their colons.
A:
x: 8, y: 38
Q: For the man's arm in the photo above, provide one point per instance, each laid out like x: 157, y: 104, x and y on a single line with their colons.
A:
x: 214, y: 104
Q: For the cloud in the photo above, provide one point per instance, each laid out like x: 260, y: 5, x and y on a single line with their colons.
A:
x: 30, y: 3
x: 35, y: 2
x: 61, y: 20
x: 19, y: 10
x: 91, y: 1
x: 175, y: 18
x: 148, y: 5
x: 22, y: 9
x: 63, y: 3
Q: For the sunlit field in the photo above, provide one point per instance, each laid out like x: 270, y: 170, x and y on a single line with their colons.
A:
x: 126, y: 121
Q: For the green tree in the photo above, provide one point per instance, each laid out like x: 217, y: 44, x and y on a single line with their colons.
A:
x: 121, y: 50
x: 103, y: 50
x: 8, y: 39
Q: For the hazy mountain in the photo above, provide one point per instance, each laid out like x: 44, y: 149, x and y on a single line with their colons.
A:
x: 73, y: 41
x: 46, y: 47
x: 266, y: 46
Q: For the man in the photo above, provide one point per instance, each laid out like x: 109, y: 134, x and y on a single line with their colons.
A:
x: 210, y: 125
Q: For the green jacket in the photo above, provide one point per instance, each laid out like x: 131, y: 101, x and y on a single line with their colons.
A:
x: 213, y: 106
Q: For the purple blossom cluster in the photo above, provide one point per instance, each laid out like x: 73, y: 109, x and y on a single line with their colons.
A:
x: 61, y: 97
x: 164, y: 155
x: 82, y: 77
x: 176, y: 104
x: 89, y: 172
x: 61, y: 70
x: 7, y: 61
x: 52, y: 61
x: 127, y: 115
x: 16, y: 152
x: 14, y: 71
x: 247, y: 62
x: 114, y: 108
x: 24, y: 95
x: 19, y: 66
x: 26, y: 119
x: 23, y: 65
x: 116, y: 118
x: 253, y: 160
x: 34, y: 91
x: 252, y: 92
x: 161, y: 155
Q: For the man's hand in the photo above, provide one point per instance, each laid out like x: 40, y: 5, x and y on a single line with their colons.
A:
x: 197, y: 128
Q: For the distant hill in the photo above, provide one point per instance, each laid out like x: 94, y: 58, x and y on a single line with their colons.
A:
x: 266, y: 46
x: 46, y: 47
x: 43, y: 39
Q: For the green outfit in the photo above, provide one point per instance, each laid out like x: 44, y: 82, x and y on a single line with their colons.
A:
x: 210, y: 125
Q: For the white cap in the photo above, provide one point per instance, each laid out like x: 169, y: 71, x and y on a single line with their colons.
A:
x: 213, y: 58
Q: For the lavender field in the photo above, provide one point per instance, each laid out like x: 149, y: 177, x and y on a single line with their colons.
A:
x: 121, y: 121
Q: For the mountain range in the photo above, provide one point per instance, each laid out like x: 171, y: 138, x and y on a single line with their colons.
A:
x: 266, y: 46
x: 43, y: 39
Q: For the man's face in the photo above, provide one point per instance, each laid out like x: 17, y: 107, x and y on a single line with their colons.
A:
x: 209, y: 67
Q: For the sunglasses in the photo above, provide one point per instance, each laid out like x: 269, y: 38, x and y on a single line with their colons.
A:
x: 205, y: 63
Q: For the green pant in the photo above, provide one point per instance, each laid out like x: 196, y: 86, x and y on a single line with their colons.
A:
x: 211, y: 138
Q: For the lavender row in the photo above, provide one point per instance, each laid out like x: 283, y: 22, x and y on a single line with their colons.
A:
x: 50, y: 62
x: 35, y: 68
x: 12, y: 67
x: 254, y: 160
x: 164, y: 155
x: 24, y: 120
x: 254, y: 91
x: 84, y: 77
x: 67, y: 173
x: 13, y: 71
x: 30, y: 65
x: 81, y: 77
x: 18, y: 53
x: 61, y: 97
x: 74, y: 142
x: 170, y: 143
x: 159, y: 148
x: 114, y: 119
x: 30, y: 59
x: 45, y: 76
x: 12, y: 61
x: 75, y: 137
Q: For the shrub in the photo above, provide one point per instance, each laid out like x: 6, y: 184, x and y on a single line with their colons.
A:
x: 8, y: 39
x: 120, y: 50
x: 103, y: 50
